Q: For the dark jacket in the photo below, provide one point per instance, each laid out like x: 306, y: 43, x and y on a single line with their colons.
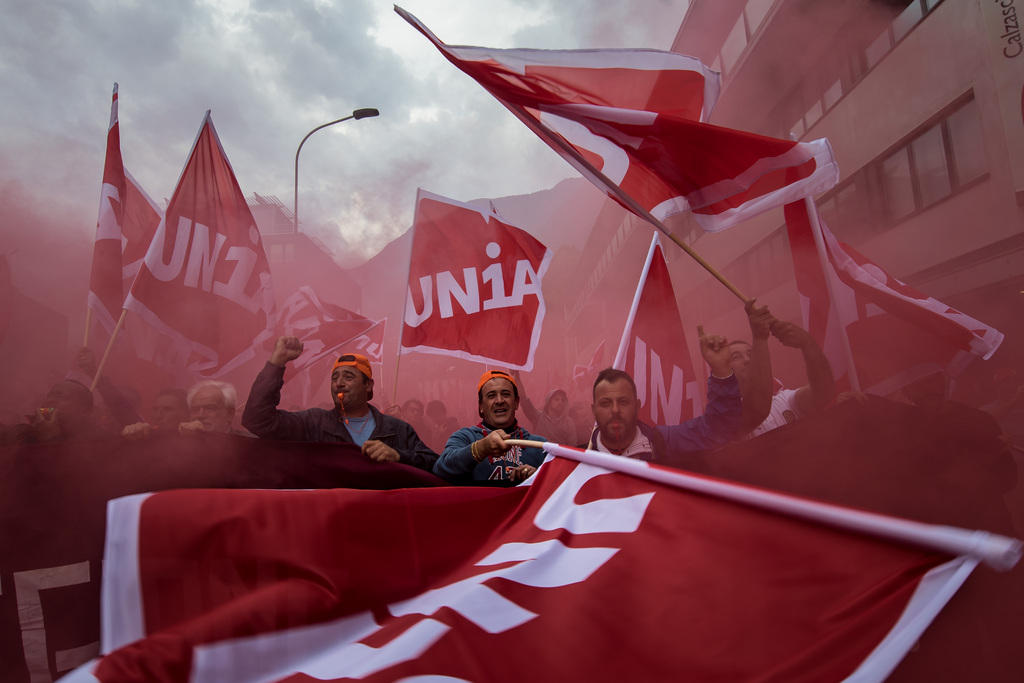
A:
x: 262, y: 418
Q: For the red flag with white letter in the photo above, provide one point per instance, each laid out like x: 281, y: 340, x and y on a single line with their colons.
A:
x: 282, y: 585
x: 474, y: 285
x: 124, y: 228
x: 205, y: 283
x: 653, y: 348
x: 580, y: 372
x: 632, y: 122
x: 895, y: 333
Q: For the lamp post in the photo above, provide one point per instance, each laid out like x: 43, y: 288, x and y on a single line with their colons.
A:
x: 357, y: 114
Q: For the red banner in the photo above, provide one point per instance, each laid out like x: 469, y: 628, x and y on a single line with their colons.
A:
x: 474, y: 285
x: 895, y: 333
x: 205, y: 284
x: 632, y: 122
x: 226, y: 586
x: 653, y: 349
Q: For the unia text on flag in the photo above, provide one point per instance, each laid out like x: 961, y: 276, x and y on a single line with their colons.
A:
x: 611, y: 554
x: 653, y: 348
x: 893, y: 333
x: 205, y: 283
x: 633, y: 122
x: 474, y: 285
x: 124, y: 228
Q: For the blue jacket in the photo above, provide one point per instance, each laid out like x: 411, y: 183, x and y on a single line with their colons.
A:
x: 457, y: 464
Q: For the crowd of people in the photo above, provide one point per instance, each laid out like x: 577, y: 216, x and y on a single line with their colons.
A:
x: 743, y: 401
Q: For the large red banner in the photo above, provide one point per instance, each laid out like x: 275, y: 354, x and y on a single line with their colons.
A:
x: 633, y: 122
x: 653, y: 349
x: 474, y: 285
x: 205, y: 283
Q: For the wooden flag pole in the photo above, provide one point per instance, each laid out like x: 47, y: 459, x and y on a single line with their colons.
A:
x: 106, y: 352
x: 88, y: 323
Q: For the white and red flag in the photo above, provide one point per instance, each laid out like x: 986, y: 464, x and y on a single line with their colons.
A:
x: 474, y: 285
x: 580, y: 372
x: 326, y: 331
x: 205, y: 283
x: 613, y: 555
x: 653, y: 348
x: 124, y: 228
x: 633, y: 122
x: 893, y: 333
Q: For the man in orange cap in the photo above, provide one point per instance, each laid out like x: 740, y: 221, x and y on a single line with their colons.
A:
x: 381, y: 437
x: 479, y: 453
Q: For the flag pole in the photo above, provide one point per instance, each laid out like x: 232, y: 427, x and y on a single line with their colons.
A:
x: 826, y: 271
x: 620, y: 353
x: 621, y: 194
x: 405, y: 303
x: 88, y: 322
x: 106, y: 352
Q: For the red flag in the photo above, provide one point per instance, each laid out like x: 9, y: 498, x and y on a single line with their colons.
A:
x: 579, y: 372
x: 474, y: 285
x: 653, y: 348
x: 632, y: 122
x: 896, y: 334
x: 205, y: 284
x: 125, y: 225
x: 274, y: 585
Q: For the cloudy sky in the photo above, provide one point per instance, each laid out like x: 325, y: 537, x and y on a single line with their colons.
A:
x: 271, y: 71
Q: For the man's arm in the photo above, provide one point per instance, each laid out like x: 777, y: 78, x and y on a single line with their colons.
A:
x: 261, y: 416
x: 525, y: 403
x: 757, y: 389
x: 410, y: 448
x: 457, y: 461
x: 821, y: 385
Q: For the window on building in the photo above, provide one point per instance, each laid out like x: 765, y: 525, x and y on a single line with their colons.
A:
x: 897, y: 185
x: 907, y: 20
x: 833, y: 94
x: 930, y: 168
x: 756, y: 11
x: 878, y: 48
x: 734, y: 45
x: 967, y: 143
x: 813, y: 114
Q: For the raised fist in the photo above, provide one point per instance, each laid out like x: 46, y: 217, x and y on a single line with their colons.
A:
x: 286, y: 349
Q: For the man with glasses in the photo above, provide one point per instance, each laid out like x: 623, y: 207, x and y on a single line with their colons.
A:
x: 381, y: 437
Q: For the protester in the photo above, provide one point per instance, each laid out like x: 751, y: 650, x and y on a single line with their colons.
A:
x: 382, y: 438
x: 170, y: 409
x: 211, y: 406
x: 412, y: 412
x: 65, y: 414
x: 121, y: 405
x: 764, y: 410
x: 621, y: 433
x: 553, y: 419
x: 439, y: 425
x: 480, y: 453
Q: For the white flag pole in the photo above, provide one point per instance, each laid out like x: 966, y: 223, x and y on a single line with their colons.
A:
x: 819, y: 243
x: 620, y: 354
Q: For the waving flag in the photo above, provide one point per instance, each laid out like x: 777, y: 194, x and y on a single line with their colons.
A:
x: 633, y: 123
x: 205, y: 283
x: 124, y: 228
x: 232, y: 586
x: 580, y: 372
x: 895, y: 333
x: 474, y: 285
x: 653, y: 348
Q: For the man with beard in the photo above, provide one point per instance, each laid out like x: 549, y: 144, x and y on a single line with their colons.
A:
x: 620, y: 432
x: 478, y: 453
x: 381, y: 437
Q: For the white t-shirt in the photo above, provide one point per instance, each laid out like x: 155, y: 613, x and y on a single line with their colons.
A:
x: 784, y: 411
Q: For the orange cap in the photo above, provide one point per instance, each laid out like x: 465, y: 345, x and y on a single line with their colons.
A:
x: 355, y: 360
x: 494, y: 374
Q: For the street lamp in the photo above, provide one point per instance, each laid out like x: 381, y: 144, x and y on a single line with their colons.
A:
x: 357, y: 114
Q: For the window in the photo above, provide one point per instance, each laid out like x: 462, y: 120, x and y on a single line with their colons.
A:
x: 756, y: 11
x: 734, y: 44
x: 878, y: 48
x: 832, y: 95
x: 906, y: 20
x: 930, y: 168
x: 897, y: 186
x: 967, y: 143
x: 813, y: 114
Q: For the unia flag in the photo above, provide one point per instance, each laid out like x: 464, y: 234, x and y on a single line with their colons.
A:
x: 653, y: 348
x: 205, y: 281
x: 598, y: 568
x: 124, y: 228
x: 895, y: 334
x: 633, y: 122
x: 474, y: 285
